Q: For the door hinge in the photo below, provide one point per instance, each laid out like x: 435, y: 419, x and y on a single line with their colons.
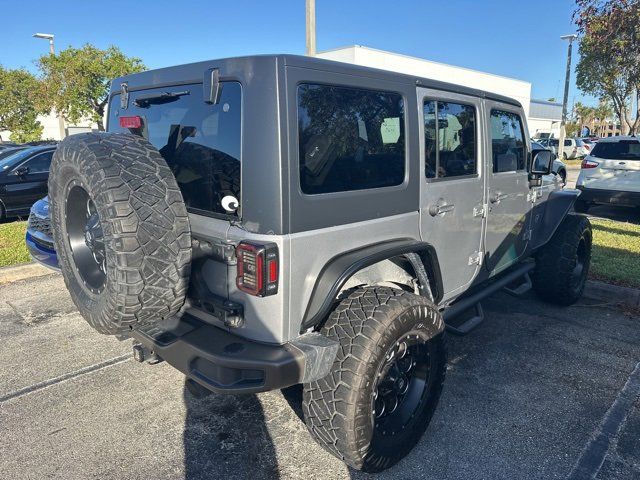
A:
x: 527, y: 235
x: 475, y: 258
x: 480, y: 210
x: 124, y: 95
x: 532, y: 196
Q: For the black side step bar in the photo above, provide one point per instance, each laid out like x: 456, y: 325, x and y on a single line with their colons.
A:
x: 473, y: 301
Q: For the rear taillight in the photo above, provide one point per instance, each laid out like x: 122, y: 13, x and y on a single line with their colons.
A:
x: 131, y: 122
x: 586, y: 163
x: 587, y: 147
x: 257, y: 268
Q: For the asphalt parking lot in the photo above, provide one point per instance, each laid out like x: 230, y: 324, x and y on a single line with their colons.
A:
x: 535, y: 392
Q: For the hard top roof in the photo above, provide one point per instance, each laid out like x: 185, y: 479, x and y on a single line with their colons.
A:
x: 193, y: 73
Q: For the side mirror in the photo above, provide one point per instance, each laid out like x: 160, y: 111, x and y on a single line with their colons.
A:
x: 22, y: 171
x: 541, y: 163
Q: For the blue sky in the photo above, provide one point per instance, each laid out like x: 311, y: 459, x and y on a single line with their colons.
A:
x: 514, y: 38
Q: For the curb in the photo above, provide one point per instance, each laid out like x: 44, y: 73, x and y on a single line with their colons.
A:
x: 608, y: 293
x: 23, y: 271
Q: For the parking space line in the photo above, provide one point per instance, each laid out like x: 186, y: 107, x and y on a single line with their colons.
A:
x: 595, y: 452
x: 67, y: 376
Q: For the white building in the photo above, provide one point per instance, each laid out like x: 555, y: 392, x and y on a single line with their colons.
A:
x: 542, y: 117
x: 53, y: 130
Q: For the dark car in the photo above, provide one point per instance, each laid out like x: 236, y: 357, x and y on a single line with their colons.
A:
x: 10, y: 151
x: 39, y: 237
x: 23, y: 179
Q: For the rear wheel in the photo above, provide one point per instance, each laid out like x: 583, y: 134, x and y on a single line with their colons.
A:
x: 121, y: 230
x: 562, y: 265
x: 378, y: 399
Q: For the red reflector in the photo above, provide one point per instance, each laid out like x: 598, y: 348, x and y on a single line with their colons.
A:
x: 273, y: 271
x: 589, y: 164
x: 131, y: 122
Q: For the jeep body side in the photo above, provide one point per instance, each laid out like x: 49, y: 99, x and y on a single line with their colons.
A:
x: 311, y: 230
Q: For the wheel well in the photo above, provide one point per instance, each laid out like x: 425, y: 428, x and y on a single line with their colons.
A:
x: 405, y: 264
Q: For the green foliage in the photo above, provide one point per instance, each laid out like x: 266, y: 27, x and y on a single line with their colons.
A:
x: 572, y: 129
x: 77, y: 79
x: 13, y: 250
x: 21, y: 101
x: 609, y: 65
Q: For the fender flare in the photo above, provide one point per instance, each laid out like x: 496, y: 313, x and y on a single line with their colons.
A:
x: 340, y: 268
x: 556, y: 208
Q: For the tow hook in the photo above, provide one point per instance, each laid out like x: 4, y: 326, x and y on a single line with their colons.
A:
x: 143, y: 354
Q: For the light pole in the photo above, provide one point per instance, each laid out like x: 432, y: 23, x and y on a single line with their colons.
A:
x: 52, y: 51
x: 565, y: 100
x: 311, y: 27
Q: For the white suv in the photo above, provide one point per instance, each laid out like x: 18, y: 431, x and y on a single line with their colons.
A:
x: 610, y: 174
x: 573, y: 148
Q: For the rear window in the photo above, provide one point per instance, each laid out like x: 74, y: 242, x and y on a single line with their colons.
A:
x: 199, y: 141
x: 622, y: 150
x: 349, y: 138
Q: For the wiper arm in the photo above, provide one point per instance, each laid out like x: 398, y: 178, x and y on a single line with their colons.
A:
x: 159, y: 98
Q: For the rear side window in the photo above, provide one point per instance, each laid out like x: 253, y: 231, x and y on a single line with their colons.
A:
x: 622, y: 150
x: 507, y: 142
x: 349, y: 138
x: 199, y: 141
x: 450, y: 142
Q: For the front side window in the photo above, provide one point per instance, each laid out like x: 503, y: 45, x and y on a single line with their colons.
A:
x: 450, y: 142
x: 39, y: 163
x: 349, y: 138
x: 507, y: 142
x: 200, y: 142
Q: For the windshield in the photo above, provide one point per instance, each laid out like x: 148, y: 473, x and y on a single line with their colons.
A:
x: 13, y: 158
x: 622, y: 150
x: 199, y: 141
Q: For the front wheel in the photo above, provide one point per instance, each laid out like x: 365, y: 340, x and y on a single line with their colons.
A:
x: 385, y: 383
x: 562, y: 265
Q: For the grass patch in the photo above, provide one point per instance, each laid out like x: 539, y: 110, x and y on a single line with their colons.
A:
x: 616, y: 252
x: 12, y: 247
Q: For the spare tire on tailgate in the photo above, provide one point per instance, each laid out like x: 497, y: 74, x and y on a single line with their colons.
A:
x: 121, y: 230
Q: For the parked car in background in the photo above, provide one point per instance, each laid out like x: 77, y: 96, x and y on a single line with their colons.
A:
x: 10, y: 151
x: 23, y: 179
x: 574, y: 148
x: 39, y: 237
x: 610, y: 174
x: 558, y: 168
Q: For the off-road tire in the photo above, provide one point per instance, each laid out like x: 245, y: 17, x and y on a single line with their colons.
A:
x: 554, y: 278
x: 147, y: 238
x: 338, y: 409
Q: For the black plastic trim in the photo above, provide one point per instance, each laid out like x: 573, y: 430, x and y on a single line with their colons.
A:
x: 609, y: 197
x: 342, y: 267
x: 556, y: 208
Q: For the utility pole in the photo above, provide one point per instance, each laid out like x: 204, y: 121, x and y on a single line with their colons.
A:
x: 311, y: 28
x: 52, y: 51
x: 567, y: 77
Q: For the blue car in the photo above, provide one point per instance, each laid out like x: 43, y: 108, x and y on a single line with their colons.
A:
x: 39, y: 238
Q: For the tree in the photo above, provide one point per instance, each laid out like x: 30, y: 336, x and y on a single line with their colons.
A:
x: 572, y: 129
x: 609, y: 63
x: 77, y: 79
x: 20, y: 103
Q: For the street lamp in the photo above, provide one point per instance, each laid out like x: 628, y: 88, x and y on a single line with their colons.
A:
x: 47, y: 36
x: 52, y: 51
x: 565, y: 100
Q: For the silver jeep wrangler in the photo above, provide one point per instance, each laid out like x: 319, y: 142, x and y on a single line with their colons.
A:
x: 267, y: 221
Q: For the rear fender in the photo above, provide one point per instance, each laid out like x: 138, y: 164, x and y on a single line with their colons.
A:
x: 341, y: 268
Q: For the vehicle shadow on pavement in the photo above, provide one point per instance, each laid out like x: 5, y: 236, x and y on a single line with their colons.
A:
x: 214, y: 445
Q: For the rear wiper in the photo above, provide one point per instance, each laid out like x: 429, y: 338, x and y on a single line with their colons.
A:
x: 158, y: 98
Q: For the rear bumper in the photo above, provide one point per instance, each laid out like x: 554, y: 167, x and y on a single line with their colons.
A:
x: 226, y: 363
x: 613, y: 197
